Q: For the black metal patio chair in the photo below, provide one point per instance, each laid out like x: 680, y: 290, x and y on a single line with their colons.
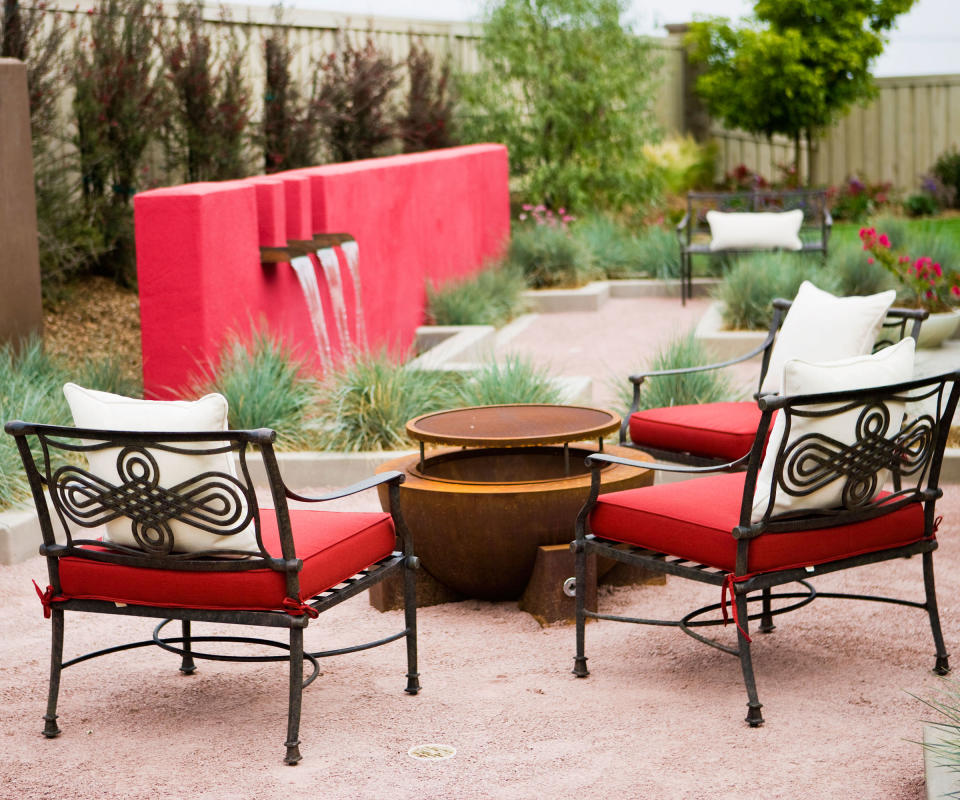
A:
x: 287, y: 565
x: 708, y: 434
x: 748, y: 532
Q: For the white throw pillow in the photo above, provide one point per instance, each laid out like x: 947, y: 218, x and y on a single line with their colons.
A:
x: 93, y: 409
x: 891, y: 365
x: 760, y: 230
x: 822, y: 327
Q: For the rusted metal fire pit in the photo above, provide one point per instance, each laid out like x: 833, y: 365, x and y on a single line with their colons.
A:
x: 479, y: 515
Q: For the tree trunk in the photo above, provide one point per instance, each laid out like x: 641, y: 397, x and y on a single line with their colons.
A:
x: 796, y: 156
x: 813, y: 146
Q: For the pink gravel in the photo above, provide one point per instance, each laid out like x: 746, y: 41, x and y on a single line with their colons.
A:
x: 660, y: 717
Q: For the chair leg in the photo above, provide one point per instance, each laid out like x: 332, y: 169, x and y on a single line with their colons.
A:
x: 580, y: 572
x: 942, y: 665
x: 296, y: 696
x: 754, y: 717
x: 410, y: 620
x: 766, y: 618
x: 50, y: 728
x: 187, y: 667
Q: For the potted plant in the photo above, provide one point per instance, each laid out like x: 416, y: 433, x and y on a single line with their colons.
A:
x: 923, y: 284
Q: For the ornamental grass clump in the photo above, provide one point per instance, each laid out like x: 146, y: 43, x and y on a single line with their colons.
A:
x: 31, y: 389
x: 266, y: 386
x: 658, y: 253
x: 514, y: 379
x: 923, y: 282
x: 365, y: 404
x: 753, y: 282
x: 493, y: 296
x: 853, y: 271
x: 614, y: 249
x: 710, y: 386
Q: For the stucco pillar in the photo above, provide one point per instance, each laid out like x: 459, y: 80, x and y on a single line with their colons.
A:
x: 21, y: 312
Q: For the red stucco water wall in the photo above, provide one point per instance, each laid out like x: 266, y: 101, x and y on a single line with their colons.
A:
x: 431, y: 216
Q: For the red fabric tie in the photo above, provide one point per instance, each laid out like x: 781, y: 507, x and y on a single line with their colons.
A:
x: 45, y: 598
x: 298, y: 608
x: 728, y: 587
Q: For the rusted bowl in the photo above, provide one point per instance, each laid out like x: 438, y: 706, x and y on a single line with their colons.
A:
x: 478, y: 516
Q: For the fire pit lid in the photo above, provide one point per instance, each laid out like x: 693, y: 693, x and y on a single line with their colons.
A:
x: 514, y: 424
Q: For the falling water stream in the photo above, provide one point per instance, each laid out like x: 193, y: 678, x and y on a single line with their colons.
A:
x: 330, y: 264
x: 307, y: 276
x: 352, y: 251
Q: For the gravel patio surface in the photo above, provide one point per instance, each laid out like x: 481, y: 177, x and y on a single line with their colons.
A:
x: 661, y: 716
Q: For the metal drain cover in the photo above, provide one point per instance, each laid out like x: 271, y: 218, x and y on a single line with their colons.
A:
x: 432, y: 752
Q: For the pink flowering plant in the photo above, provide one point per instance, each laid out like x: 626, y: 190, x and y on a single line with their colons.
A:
x: 542, y: 216
x: 924, y: 282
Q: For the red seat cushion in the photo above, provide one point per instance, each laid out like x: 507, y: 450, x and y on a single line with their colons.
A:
x: 713, y: 430
x: 694, y: 519
x: 333, y: 546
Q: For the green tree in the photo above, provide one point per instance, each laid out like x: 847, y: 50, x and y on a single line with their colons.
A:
x: 794, y: 69
x: 568, y: 88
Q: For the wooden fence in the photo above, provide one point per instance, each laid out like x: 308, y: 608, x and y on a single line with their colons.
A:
x: 896, y: 138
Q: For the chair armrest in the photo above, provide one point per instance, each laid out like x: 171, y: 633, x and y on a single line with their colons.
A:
x: 639, y: 377
x: 597, y: 460
x: 683, y: 223
x: 393, y: 476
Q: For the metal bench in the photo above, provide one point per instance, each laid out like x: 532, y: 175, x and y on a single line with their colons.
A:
x: 693, y: 232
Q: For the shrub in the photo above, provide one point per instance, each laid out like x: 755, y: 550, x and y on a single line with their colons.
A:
x: 352, y: 105
x: 921, y: 204
x: 209, y: 99
x: 614, y: 250
x: 659, y: 252
x: 493, y: 296
x: 710, y: 386
x: 289, y: 128
x: 118, y: 107
x: 743, y: 179
x: 853, y: 272
x: 35, y: 35
x: 856, y: 200
x: 365, y: 404
x: 426, y: 123
x: 69, y: 231
x: 568, y: 88
x: 753, y: 282
x: 266, y: 386
x: 896, y: 228
x: 550, y: 257
x: 512, y: 380
x: 947, y: 169
x: 682, y: 163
